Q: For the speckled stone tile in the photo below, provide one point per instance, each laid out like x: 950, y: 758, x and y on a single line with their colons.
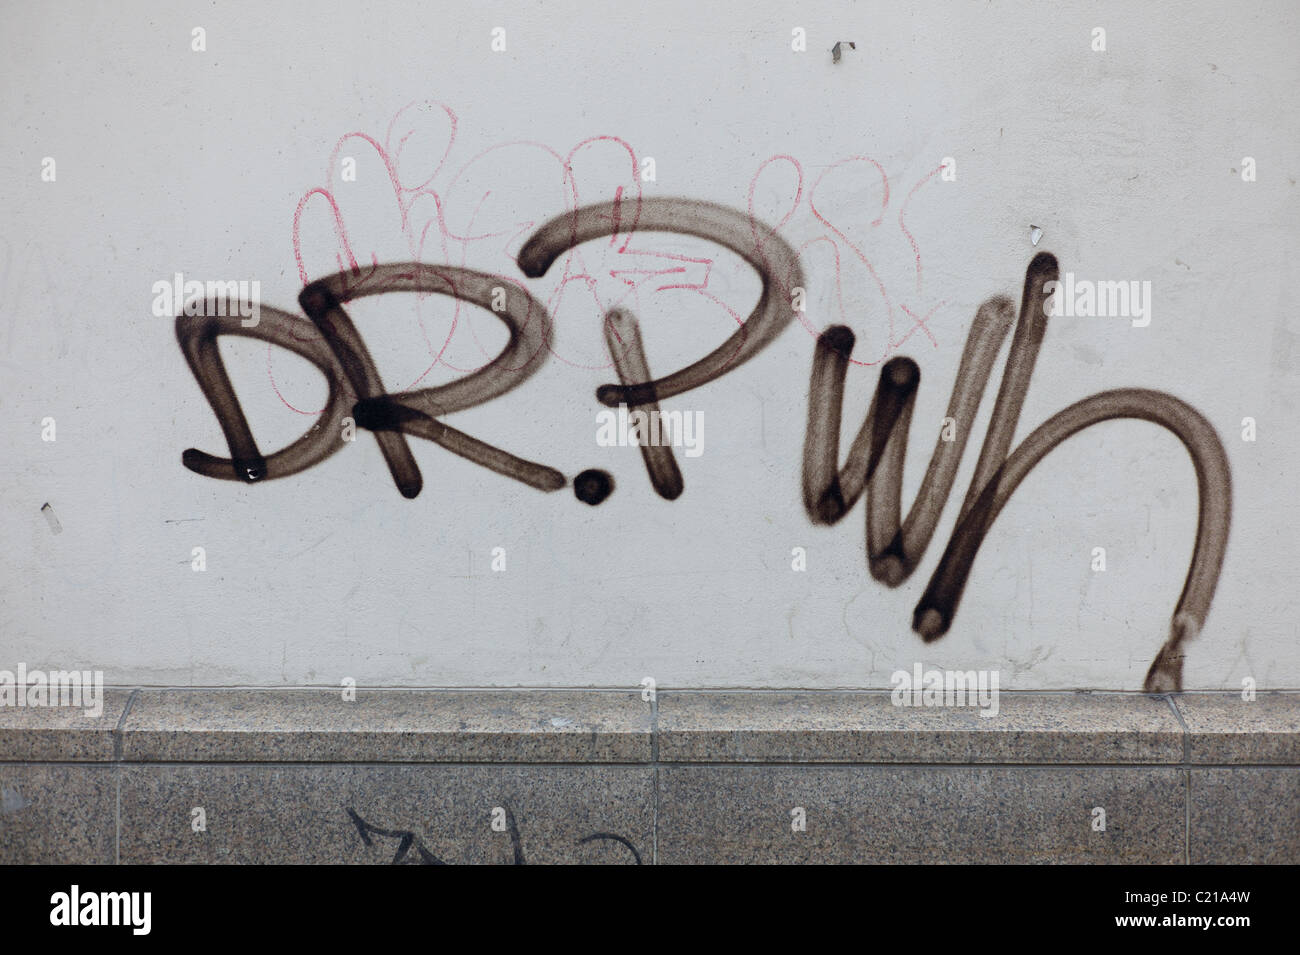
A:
x: 60, y: 733
x: 506, y: 726
x: 57, y: 814
x: 1245, y: 815
x: 867, y: 727
x: 881, y: 814
x: 1224, y: 728
x: 261, y: 813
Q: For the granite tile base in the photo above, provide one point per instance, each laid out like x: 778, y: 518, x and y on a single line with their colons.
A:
x: 258, y: 813
x: 62, y: 733
x: 489, y: 726
x: 879, y: 814
x: 538, y: 776
x: 866, y: 727
x: 1245, y: 816
x: 1224, y: 728
x: 58, y: 814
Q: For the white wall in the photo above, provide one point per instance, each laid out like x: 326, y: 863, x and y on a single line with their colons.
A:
x: 171, y: 160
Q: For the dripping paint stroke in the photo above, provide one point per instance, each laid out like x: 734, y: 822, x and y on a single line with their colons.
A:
x: 872, y: 468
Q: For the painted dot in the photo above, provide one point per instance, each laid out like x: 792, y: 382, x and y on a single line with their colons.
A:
x: 593, y: 486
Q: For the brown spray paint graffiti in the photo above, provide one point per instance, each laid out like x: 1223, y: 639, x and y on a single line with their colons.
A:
x: 874, y: 465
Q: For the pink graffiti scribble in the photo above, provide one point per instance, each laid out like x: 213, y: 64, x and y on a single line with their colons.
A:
x: 637, y: 271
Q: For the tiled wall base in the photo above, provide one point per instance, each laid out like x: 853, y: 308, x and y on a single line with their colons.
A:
x: 596, y: 777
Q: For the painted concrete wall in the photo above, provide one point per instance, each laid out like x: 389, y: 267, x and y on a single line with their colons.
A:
x: 1129, y: 161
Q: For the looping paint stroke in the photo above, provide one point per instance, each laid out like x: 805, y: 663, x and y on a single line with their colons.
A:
x: 873, y: 466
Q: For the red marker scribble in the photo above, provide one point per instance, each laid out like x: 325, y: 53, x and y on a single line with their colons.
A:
x: 646, y: 272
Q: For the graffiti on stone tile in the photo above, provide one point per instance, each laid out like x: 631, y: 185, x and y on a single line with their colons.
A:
x: 409, y: 848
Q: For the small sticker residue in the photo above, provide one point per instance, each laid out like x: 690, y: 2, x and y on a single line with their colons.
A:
x: 51, y: 519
